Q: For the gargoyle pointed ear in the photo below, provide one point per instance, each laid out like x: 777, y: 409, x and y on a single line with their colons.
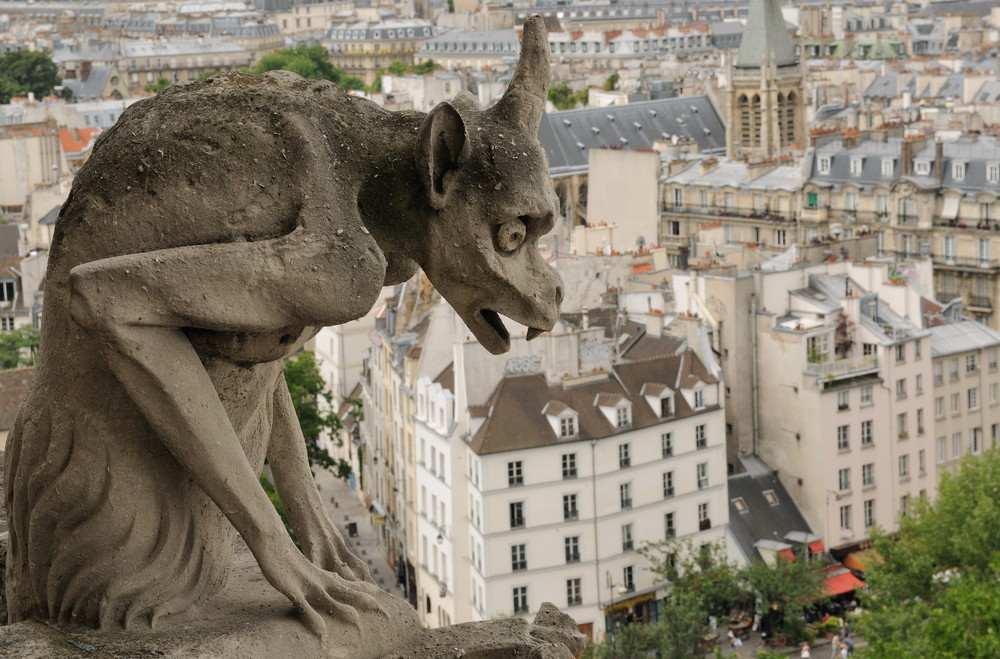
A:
x: 525, y: 99
x: 442, y: 145
x: 465, y: 101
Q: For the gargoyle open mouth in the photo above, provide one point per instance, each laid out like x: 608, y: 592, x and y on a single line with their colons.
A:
x: 492, y: 319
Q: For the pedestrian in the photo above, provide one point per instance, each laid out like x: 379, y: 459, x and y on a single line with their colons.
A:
x: 732, y: 637
x: 835, y: 646
x: 849, y: 643
x: 843, y: 651
x: 805, y: 651
x: 737, y: 642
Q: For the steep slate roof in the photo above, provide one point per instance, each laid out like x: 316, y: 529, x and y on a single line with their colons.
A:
x: 516, y: 421
x: 91, y: 88
x: 765, y: 37
x: 568, y: 135
x: 761, y: 520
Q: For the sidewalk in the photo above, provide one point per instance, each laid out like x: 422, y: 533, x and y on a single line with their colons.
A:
x: 819, y: 650
x: 343, y: 507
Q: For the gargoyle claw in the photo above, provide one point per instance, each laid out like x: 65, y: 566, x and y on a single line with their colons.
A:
x: 533, y: 332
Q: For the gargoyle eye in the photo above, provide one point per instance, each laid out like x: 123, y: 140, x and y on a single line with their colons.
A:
x: 510, y: 235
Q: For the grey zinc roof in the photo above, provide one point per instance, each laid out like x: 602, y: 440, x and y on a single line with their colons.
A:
x: 92, y: 87
x: 765, y: 37
x: 963, y: 336
x: 884, y: 86
x: 568, y: 135
x: 988, y: 93
x: 761, y: 520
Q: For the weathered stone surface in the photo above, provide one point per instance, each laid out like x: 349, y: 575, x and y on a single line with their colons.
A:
x: 211, y: 233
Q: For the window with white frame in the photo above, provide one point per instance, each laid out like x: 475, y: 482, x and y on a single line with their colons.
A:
x: 939, y: 407
x: 699, y: 399
x: 956, y: 445
x: 904, y: 465
x: 993, y: 172
x: 624, y: 455
x: 567, y: 426
x: 701, y: 471
x: 704, y: 522
x: 953, y: 369
x: 700, y: 436
x: 573, y: 592
x: 901, y: 388
x: 922, y: 461
x: 958, y: 171
x: 922, y: 167
x: 971, y: 363
x: 918, y: 383
x: 866, y: 395
x: 976, y: 441
x: 625, y: 495
x: 667, y: 444
x: 994, y: 393
x: 780, y: 237
x: 888, y: 165
x: 515, y: 473
x: 868, y: 507
x: 856, y: 165
x: 518, y: 558
x: 842, y: 441
x: 882, y: 204
x: 991, y: 359
x: 844, y: 478
x: 569, y: 465
x: 973, y: 398
x: 938, y: 373
x: 942, y: 449
x: 520, y: 599
x: 868, y: 474
x: 901, y: 425
x: 623, y: 416
x: 845, y: 519
x: 843, y: 400
x: 570, y: 511
x: 850, y: 201
x: 956, y: 403
x: 628, y: 544
x: 571, y: 546
x: 668, y: 484
x: 866, y: 433
x: 670, y: 525
x: 823, y: 164
x: 628, y: 578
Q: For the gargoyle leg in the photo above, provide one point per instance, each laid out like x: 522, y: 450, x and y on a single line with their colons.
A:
x: 321, y: 541
x: 135, y: 306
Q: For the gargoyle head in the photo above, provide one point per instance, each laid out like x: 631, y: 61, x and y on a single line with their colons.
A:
x: 486, y: 178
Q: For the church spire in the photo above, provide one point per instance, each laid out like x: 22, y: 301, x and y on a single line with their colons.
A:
x: 765, y: 34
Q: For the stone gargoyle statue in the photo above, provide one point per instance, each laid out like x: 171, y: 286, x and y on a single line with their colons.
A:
x: 214, y: 229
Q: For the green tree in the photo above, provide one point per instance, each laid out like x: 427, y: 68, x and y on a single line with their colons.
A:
x: 565, y: 98
x: 786, y: 589
x: 397, y: 68
x: 19, y: 347
x: 158, y: 86
x: 314, y: 407
x: 32, y: 71
x: 309, y: 62
x: 702, y: 577
x: 9, y: 89
x: 933, y: 589
x: 611, y: 82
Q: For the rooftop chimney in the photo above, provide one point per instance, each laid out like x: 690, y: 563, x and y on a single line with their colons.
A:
x: 84, y: 70
x: 939, y: 161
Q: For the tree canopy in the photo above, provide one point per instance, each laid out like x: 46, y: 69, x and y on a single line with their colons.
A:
x: 314, y: 407
x: 18, y: 347
x: 565, y: 98
x: 22, y: 71
x: 309, y: 62
x: 934, y: 584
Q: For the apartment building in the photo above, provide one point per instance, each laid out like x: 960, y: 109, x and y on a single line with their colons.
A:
x: 144, y: 61
x: 966, y: 390
x: 363, y: 49
x: 920, y: 198
x: 830, y: 376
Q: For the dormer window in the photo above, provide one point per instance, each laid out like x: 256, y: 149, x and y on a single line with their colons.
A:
x: 856, y: 164
x: 567, y: 426
x: 993, y: 172
x: 699, y: 399
x: 563, y: 419
x: 660, y: 399
x: 958, y: 171
x: 888, y: 166
x: 666, y: 407
x: 922, y: 167
x: 824, y: 164
x: 623, y: 417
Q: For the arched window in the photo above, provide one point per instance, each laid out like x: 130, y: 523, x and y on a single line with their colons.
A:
x: 780, y: 123
x: 745, y: 124
x: 755, y: 120
x: 790, y: 118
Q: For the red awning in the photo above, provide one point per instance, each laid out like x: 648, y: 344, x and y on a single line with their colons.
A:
x: 816, y: 547
x: 787, y: 553
x: 842, y: 583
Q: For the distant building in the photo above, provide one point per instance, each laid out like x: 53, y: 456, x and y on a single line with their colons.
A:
x: 363, y: 49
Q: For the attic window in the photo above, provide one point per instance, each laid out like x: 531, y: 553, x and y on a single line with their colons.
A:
x: 888, y: 165
x: 637, y: 125
x: 824, y: 164
x: 652, y: 113
x: 666, y: 407
x: 958, y: 171
x: 993, y: 172
x: 922, y: 167
x: 740, y: 505
x: 595, y: 129
x: 856, y: 164
x: 567, y: 426
x: 623, y: 417
x: 694, y: 108
x: 771, y: 497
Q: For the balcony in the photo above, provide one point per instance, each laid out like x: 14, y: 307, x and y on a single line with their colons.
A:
x: 838, y: 369
x: 969, y: 223
x: 906, y: 220
x: 951, y: 261
x: 980, y: 302
x: 716, y: 213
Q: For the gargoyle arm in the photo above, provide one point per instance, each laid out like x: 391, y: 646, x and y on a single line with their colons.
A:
x: 321, y: 542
